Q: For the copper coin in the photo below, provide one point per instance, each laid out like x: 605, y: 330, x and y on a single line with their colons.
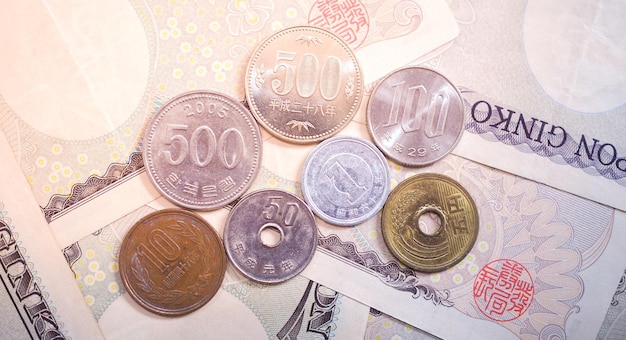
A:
x: 430, y: 222
x: 303, y: 84
x: 415, y: 116
x: 202, y: 150
x: 172, y: 262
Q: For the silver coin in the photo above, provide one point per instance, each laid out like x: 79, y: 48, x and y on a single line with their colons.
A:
x: 304, y: 84
x: 415, y: 116
x: 202, y: 150
x: 270, y: 235
x: 345, y: 180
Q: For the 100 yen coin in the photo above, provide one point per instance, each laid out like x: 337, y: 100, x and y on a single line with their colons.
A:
x: 415, y: 116
x: 172, y: 262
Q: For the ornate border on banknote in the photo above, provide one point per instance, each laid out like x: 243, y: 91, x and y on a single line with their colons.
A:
x: 391, y: 273
x: 612, y: 327
x: 621, y: 289
x: 537, y: 226
x: 19, y: 279
x: 115, y: 172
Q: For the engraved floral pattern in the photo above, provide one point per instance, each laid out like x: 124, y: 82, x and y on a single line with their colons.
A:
x: 154, y: 291
x: 96, y: 271
x: 248, y: 16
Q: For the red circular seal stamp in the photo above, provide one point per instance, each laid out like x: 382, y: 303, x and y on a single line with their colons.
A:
x: 503, y: 290
x: 348, y: 19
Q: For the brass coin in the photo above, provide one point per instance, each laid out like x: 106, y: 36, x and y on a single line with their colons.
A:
x: 172, y: 262
x: 303, y: 84
x: 430, y: 222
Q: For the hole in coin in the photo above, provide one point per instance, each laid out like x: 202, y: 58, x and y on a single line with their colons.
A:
x: 430, y: 221
x: 271, y: 235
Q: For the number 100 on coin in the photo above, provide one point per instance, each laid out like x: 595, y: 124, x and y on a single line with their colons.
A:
x: 415, y: 116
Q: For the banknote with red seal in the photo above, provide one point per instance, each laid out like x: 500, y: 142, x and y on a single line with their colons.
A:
x: 503, y: 290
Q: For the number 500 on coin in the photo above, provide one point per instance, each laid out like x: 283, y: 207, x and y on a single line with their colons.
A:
x: 202, y: 150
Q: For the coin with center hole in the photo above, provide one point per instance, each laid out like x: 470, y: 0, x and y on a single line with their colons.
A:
x: 172, y: 262
x: 415, y: 116
x: 270, y: 235
x: 430, y: 222
x: 202, y: 150
x: 345, y: 180
x: 303, y: 84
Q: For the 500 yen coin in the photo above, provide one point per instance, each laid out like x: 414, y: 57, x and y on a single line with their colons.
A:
x: 430, y: 222
x: 303, y: 84
x: 172, y: 262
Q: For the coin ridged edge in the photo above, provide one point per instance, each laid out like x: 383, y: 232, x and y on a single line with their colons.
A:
x: 290, y: 137
x: 148, y: 158
x: 375, y: 139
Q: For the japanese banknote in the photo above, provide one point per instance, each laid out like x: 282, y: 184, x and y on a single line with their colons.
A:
x: 542, y: 155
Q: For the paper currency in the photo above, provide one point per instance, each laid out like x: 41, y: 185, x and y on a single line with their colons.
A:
x: 241, y: 308
x: 81, y: 79
x: 566, y: 271
x: 116, y: 63
x: 573, y: 92
x: 381, y: 326
x: 562, y: 254
x: 39, y: 299
x: 175, y: 46
x: 536, y: 226
x: 559, y: 70
x: 613, y: 325
x: 546, y: 151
